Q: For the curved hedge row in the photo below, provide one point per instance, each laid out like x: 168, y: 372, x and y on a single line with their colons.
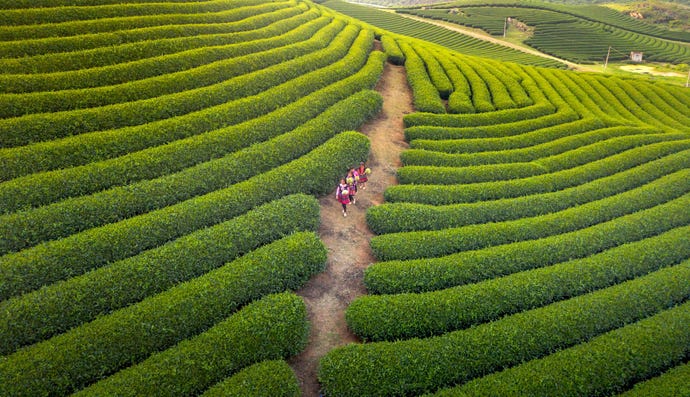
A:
x: 392, y: 50
x: 426, y: 244
x: 404, y: 316
x: 497, y: 130
x: 426, y: 97
x: 606, y: 364
x: 63, y: 42
x: 267, y: 378
x: 560, y: 153
x: 474, y: 266
x: 289, y: 40
x: 154, y: 162
x: 70, y: 216
x: 476, y: 120
x: 271, y: 328
x: 427, y: 175
x: 57, y: 307
x: 669, y: 384
x: 55, y: 260
x: 436, y: 73
x: 398, y: 217
x: 277, y: 328
x: 237, y: 100
x: 451, y: 194
x: 422, y: 365
x: 71, y: 61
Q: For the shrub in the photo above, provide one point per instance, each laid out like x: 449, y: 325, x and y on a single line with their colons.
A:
x: 274, y: 327
x: 421, y: 365
x: 604, y: 365
x: 475, y: 120
x: 392, y: 50
x: 473, y: 266
x: 274, y: 378
x: 425, y: 96
x: 55, y: 260
x: 404, y: 316
x: 57, y: 307
x: 669, y: 384
x: 428, y: 244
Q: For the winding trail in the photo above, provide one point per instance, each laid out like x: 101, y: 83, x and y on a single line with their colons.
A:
x: 328, y: 294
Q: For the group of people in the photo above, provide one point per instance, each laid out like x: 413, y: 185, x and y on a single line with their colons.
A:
x: 346, y: 192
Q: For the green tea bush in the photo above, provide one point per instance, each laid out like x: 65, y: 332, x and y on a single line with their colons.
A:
x: 81, y: 213
x: 437, y: 74
x: 272, y: 377
x: 274, y: 327
x: 450, y: 194
x: 427, y: 175
x: 669, y: 384
x: 426, y: 97
x: 476, y: 120
x: 489, y: 131
x: 607, y: 364
x: 392, y: 50
x: 57, y: 307
x: 398, y: 217
x: 404, y: 316
x: 422, y: 365
x: 240, y: 99
x: 220, y: 64
x: 427, y: 244
x: 59, y: 259
x: 474, y: 266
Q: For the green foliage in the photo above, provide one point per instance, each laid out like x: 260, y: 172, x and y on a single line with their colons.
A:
x: 604, y: 365
x: 428, y: 244
x: 669, y: 384
x: 392, y: 50
x: 426, y: 97
x: 274, y: 327
x: 400, y: 216
x: 476, y: 120
x: 474, y: 266
x: 404, y: 316
x: 274, y: 378
x: 422, y: 365
x: 57, y: 307
x: 55, y: 260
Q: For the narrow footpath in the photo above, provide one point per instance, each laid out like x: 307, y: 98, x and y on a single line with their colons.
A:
x: 328, y: 294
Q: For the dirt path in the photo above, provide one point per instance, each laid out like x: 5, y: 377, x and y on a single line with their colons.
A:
x: 328, y: 294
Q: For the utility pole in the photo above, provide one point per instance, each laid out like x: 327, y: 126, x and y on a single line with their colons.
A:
x: 607, y: 58
x: 687, y: 82
x: 505, y: 26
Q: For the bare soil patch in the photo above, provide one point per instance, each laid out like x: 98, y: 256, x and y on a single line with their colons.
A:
x: 328, y: 294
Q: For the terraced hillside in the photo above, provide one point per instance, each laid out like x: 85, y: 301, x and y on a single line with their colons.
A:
x: 538, y: 242
x: 160, y: 169
x: 578, y: 33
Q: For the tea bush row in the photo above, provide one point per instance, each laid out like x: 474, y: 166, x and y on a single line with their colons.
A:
x: 274, y: 327
x: 606, y: 364
x: 57, y: 307
x: 401, y: 216
x: 77, y: 214
x: 668, y: 384
x: 166, y: 159
x: 474, y: 266
x: 481, y: 119
x: 422, y: 365
x: 425, y: 96
x: 239, y: 59
x: 497, y: 130
x: 427, y: 244
x: 436, y: 72
x: 244, y: 97
x: 392, y: 50
x: 404, y: 316
x: 271, y: 377
x: 59, y: 259
x: 61, y: 42
x: 452, y: 194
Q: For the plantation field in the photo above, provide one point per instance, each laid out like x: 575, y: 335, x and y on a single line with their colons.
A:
x: 581, y: 34
x: 163, y: 172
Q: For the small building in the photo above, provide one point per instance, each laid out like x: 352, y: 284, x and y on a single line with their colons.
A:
x: 636, y: 56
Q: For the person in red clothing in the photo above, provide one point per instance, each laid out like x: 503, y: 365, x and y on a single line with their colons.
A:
x: 343, y: 195
x: 362, y: 171
x: 351, y: 181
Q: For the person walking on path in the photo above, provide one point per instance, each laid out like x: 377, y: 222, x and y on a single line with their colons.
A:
x: 351, y: 180
x: 362, y: 171
x: 342, y: 194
